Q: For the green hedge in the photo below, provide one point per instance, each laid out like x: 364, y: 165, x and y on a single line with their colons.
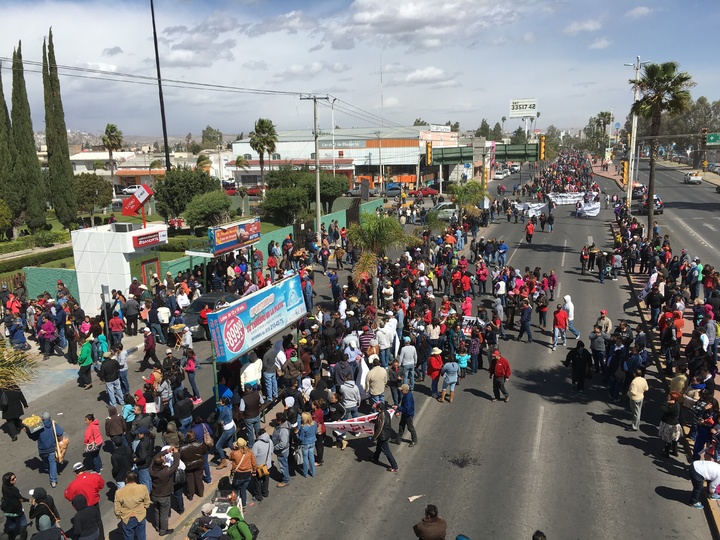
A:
x: 34, y: 259
x: 182, y: 244
x: 39, y: 239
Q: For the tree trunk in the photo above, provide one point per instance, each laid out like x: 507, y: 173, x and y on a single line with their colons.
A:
x: 655, y: 130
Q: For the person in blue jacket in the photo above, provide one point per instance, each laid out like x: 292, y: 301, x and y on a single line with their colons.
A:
x: 406, y: 409
x: 17, y: 336
x: 47, y: 445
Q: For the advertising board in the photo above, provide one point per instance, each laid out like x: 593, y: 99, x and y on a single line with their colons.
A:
x: 149, y: 239
x: 234, y: 236
x: 523, y: 108
x: 249, y: 321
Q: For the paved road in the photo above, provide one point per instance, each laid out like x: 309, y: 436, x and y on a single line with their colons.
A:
x: 548, y: 459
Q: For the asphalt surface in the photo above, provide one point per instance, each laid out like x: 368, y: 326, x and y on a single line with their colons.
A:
x: 548, y: 459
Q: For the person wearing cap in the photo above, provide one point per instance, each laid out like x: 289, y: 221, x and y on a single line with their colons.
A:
x: 46, y: 439
x: 131, y: 504
x: 86, y: 483
x: 206, y: 523
x: 499, y: 372
x: 408, y: 360
x: 149, y: 347
x: 406, y: 409
x: 162, y: 477
x: 604, y: 322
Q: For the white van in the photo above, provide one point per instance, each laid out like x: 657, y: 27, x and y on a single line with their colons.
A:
x: 445, y: 210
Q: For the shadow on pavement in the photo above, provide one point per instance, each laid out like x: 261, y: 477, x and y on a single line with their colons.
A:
x: 478, y: 393
x: 673, y: 494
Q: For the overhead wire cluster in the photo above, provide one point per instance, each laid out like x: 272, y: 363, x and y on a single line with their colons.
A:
x: 78, y: 72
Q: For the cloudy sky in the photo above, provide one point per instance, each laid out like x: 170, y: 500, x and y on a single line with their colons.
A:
x: 459, y: 60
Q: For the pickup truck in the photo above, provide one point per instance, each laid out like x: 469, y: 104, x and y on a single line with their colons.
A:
x: 693, y: 177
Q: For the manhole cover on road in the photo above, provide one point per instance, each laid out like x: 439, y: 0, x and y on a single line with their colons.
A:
x: 463, y: 460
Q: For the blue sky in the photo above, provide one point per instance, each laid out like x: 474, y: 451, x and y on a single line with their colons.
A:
x: 459, y: 60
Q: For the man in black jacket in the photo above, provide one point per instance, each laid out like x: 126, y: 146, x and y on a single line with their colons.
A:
x: 143, y: 456
x: 162, y: 488
x: 581, y: 362
x: 121, y: 460
x: 382, y: 433
x: 110, y: 374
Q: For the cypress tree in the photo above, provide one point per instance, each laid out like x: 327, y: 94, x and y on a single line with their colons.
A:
x: 61, y: 188
x: 7, y: 193
x: 26, y: 176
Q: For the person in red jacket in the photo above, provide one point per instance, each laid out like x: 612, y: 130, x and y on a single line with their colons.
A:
x: 86, y: 483
x: 529, y: 231
x: 499, y: 372
x: 435, y: 364
x: 560, y: 325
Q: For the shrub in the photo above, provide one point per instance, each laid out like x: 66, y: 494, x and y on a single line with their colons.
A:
x: 34, y: 259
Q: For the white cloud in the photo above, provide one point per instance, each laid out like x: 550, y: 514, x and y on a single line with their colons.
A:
x: 638, y: 12
x: 576, y: 27
x: 429, y: 74
x: 291, y: 22
x: 306, y: 72
x: 391, y: 102
x: 601, y: 43
x: 529, y: 37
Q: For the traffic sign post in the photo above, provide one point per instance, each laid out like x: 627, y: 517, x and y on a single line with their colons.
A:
x: 712, y: 138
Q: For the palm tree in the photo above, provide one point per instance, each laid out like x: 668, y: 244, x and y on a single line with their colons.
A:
x: 663, y: 89
x: 468, y: 196
x: 16, y: 367
x: 503, y: 124
x: 203, y: 163
x: 112, y: 140
x: 605, y: 118
x: 373, y: 235
x: 263, y: 139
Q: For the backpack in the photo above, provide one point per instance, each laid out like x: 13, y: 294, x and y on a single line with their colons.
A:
x: 717, y: 329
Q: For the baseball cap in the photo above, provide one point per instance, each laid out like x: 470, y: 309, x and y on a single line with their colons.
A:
x: 134, y: 278
x: 603, y: 312
x: 146, y: 329
x: 46, y: 416
x: 496, y: 353
x: 205, y: 521
x: 207, y: 508
x: 60, y: 282
x: 78, y: 467
x: 143, y: 431
x: 366, y: 328
x: 107, y: 354
x: 168, y: 351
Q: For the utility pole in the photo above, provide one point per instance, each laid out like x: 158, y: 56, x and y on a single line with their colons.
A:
x: 318, y: 206
x: 160, y: 91
x: 633, y: 134
x: 332, y: 113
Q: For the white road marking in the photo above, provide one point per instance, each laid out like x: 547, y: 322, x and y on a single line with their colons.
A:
x: 690, y: 231
x: 515, y: 251
x: 590, y: 240
x: 562, y: 262
x: 538, y: 433
x: 711, y: 227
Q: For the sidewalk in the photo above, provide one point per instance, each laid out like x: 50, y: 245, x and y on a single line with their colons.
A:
x: 637, y: 284
x: 22, y: 253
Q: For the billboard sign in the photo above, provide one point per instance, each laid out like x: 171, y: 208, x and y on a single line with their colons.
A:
x: 436, y: 128
x: 234, y: 236
x: 249, y: 321
x: 523, y: 108
x: 145, y: 240
x: 136, y: 200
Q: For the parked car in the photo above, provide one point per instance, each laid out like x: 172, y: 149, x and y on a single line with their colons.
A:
x: 506, y: 172
x: 256, y: 190
x: 499, y: 175
x: 693, y: 177
x: 514, y: 168
x: 230, y: 190
x: 638, y: 190
x: 426, y: 191
x: 659, y: 206
x: 192, y: 312
x: 357, y: 192
x: 445, y: 210
x: 131, y: 189
x: 391, y: 190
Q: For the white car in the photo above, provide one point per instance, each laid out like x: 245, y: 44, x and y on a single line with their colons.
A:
x: 499, y: 176
x: 131, y: 189
x: 693, y: 177
x: 445, y: 210
x: 514, y: 168
x: 506, y: 172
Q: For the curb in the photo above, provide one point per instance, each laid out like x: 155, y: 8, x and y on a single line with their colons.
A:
x: 711, y: 511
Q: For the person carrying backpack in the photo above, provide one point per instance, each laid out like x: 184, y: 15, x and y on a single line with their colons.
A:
x: 239, y: 529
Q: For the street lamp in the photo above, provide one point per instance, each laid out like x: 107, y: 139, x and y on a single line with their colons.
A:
x: 633, y: 134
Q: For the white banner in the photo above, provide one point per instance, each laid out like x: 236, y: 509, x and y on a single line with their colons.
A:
x: 361, y: 424
x: 533, y: 209
x: 590, y: 209
x: 570, y: 198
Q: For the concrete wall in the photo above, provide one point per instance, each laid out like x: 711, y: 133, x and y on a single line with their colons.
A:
x: 38, y: 280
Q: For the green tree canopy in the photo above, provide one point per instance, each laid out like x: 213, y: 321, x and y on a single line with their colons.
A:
x: 518, y: 136
x: 284, y: 204
x: 483, y: 130
x: 6, y: 217
x: 8, y: 192
x: 211, y: 138
x: 331, y: 187
x: 112, y: 141
x: 177, y: 188
x: 497, y: 133
x: 208, y: 209
x: 26, y: 178
x: 420, y: 122
x: 469, y: 194
x: 454, y: 126
x: 91, y: 192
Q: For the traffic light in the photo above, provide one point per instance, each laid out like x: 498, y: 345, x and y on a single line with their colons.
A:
x: 428, y: 153
x: 541, y: 148
x: 626, y: 170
